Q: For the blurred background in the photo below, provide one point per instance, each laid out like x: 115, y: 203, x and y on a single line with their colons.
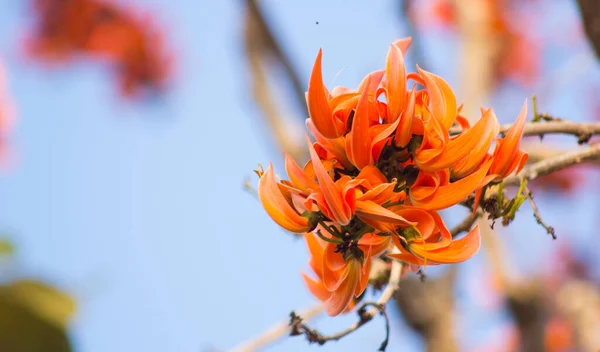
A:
x: 128, y: 135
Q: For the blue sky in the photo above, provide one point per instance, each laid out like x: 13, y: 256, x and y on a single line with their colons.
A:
x: 138, y: 209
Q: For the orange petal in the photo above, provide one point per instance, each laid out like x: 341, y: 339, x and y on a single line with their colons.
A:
x: 403, y: 44
x: 475, y: 142
x: 337, y: 146
x: 340, y: 211
x: 341, y: 298
x: 297, y: 175
x: 425, y: 222
x: 333, y: 259
x: 508, y: 147
x: 360, y: 141
x: 395, y: 83
x: 316, y: 288
x: 441, y: 98
x: 450, y: 194
x: 372, y: 174
x: 425, y: 185
x: 458, y: 251
x: 404, y: 130
x: 318, y: 102
x: 409, y: 258
x: 382, y: 132
x: 315, y: 249
x: 371, y: 81
x: 434, y: 142
x: 374, y: 244
x: 372, y: 211
x: 443, y: 235
x: 364, y: 276
x: 277, y: 206
x: 382, y: 193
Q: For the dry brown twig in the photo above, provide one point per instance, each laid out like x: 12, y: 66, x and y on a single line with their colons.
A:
x: 365, y: 315
x: 466, y: 224
x: 262, y: 49
x: 584, y: 131
x: 556, y: 163
x: 296, y: 325
x: 276, y: 331
x: 536, y: 212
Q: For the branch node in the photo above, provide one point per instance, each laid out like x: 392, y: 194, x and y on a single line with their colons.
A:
x: 536, y: 213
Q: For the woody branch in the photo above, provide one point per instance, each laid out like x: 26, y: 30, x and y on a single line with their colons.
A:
x: 583, y: 131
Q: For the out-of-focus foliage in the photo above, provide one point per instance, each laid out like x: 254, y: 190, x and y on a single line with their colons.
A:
x: 6, y: 248
x: 34, y: 316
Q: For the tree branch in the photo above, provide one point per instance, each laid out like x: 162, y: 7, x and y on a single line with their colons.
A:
x: 536, y: 213
x: 556, y: 163
x: 590, y: 15
x: 466, y: 224
x: 276, y: 331
x: 298, y: 327
x: 583, y: 131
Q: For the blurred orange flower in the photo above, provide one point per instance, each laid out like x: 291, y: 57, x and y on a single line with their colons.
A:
x: 100, y: 28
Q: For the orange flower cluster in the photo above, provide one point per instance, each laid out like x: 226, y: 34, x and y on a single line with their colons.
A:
x: 100, y: 28
x: 382, y: 165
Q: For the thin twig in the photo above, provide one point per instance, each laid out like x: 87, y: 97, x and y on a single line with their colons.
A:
x: 250, y: 188
x: 276, y: 332
x: 556, y: 163
x: 583, y: 131
x: 298, y: 327
x: 466, y: 224
x: 270, y: 43
x: 536, y: 212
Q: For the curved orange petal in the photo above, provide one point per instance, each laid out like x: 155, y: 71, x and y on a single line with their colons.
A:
x: 424, y: 221
x: 371, y: 81
x: 336, y: 146
x: 340, y: 211
x: 372, y: 174
x: 450, y: 194
x: 316, y: 288
x: 508, y: 147
x: 374, y: 244
x: 375, y: 212
x: 360, y: 141
x: 297, y: 175
x: 395, y: 83
x: 404, y: 130
x: 444, y: 237
x: 409, y: 258
x: 342, y: 296
x: 458, y: 251
x: 382, y: 194
x: 403, y: 44
x: 434, y: 141
x: 277, y: 206
x: 441, y: 98
x: 378, y: 140
x: 425, y: 185
x: 364, y: 276
x: 317, y: 99
x: 333, y: 259
x: 475, y: 142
